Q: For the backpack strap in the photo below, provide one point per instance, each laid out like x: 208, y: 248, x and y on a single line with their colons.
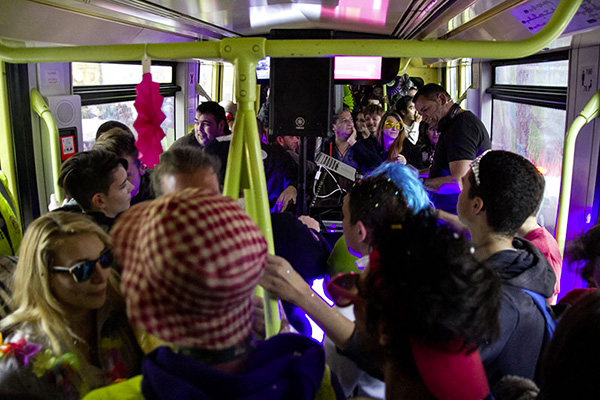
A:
x: 540, y: 302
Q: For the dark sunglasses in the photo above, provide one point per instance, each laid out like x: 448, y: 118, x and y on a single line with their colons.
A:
x: 343, y: 289
x: 84, y: 270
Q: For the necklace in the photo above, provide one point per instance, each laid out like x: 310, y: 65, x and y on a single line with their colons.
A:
x: 342, y: 153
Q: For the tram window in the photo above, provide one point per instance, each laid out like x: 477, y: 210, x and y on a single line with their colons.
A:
x: 228, y: 80
x: 107, y: 92
x: 99, y: 74
x: 452, y: 79
x: 92, y: 116
x: 555, y: 73
x: 206, y: 78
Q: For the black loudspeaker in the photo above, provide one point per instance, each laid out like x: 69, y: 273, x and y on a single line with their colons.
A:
x: 301, y: 97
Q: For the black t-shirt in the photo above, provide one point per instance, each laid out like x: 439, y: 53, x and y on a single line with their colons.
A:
x: 464, y: 139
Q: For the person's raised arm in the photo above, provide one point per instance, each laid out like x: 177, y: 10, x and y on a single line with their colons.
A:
x: 281, y: 280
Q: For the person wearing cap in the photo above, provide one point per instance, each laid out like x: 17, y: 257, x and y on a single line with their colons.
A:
x: 499, y: 192
x: 387, y: 196
x: 422, y: 309
x: 191, y: 263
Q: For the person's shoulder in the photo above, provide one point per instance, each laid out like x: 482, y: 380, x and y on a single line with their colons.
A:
x: 187, y: 140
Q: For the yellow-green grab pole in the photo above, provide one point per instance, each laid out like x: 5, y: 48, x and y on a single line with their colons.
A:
x: 589, y: 112
x: 7, y: 158
x: 245, y: 168
x: 38, y: 104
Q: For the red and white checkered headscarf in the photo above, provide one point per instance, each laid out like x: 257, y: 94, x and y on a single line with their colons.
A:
x: 191, y: 261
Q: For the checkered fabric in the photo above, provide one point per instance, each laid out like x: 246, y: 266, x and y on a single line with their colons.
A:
x: 191, y: 261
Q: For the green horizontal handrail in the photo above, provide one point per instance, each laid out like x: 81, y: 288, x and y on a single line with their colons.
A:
x: 39, y: 105
x: 309, y: 48
x: 587, y: 114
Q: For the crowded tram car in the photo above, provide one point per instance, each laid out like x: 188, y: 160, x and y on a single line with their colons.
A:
x: 299, y: 199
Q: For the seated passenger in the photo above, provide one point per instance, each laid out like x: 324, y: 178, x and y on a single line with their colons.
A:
x: 360, y: 155
x: 191, y: 263
x: 499, y: 192
x: 391, y: 138
x: 97, y: 181
x: 122, y: 143
x: 422, y: 309
x: 69, y: 332
x: 386, y: 197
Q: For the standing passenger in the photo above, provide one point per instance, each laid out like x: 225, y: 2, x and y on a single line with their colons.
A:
x: 210, y: 123
x: 191, y: 263
x: 69, y: 332
x: 500, y: 190
x: 463, y: 137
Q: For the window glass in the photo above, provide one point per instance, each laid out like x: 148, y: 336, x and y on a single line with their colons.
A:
x: 452, y: 79
x: 205, y: 79
x: 228, y: 82
x: 536, y: 133
x: 552, y: 73
x: 94, y: 74
x: 93, y: 116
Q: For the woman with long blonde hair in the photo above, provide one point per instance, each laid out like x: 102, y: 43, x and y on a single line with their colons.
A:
x: 69, y: 332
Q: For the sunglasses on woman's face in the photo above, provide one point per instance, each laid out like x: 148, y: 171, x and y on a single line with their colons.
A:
x: 343, y: 289
x: 389, y: 124
x: 84, y: 270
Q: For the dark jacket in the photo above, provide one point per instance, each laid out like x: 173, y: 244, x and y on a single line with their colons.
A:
x: 522, y: 325
x: 287, y: 366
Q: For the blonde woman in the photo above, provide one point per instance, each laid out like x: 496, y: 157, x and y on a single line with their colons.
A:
x: 390, y: 137
x: 69, y: 332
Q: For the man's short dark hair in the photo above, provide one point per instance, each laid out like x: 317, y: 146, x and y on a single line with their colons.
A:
x: 345, y: 108
x: 427, y: 284
x: 216, y: 110
x: 87, y: 173
x: 431, y: 92
x: 511, y: 189
x: 183, y: 160
x: 120, y: 142
x: 373, y: 109
x: 108, y: 125
x: 402, y: 104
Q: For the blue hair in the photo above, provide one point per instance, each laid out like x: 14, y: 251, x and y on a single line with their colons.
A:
x: 406, y: 179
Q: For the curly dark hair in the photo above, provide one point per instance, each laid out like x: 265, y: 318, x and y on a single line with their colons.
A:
x: 427, y: 284
x: 511, y: 189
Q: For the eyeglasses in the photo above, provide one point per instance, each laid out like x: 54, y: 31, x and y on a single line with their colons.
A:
x: 343, y: 289
x: 84, y: 271
x: 393, y: 125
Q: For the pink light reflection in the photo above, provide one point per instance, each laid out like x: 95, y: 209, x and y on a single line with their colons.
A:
x: 373, y: 12
x: 426, y: 10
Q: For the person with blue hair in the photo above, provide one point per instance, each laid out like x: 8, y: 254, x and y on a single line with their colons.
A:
x: 386, y: 197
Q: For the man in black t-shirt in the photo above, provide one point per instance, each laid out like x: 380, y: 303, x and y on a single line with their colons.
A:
x: 463, y: 137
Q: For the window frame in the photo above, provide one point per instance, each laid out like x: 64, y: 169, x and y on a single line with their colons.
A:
x: 105, y: 94
x: 542, y: 96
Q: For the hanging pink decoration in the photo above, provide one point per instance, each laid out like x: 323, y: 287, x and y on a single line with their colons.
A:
x: 148, y: 104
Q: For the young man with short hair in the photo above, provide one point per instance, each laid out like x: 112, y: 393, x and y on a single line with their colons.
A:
x: 410, y: 117
x: 122, y: 143
x: 210, y: 123
x: 500, y: 191
x: 97, y: 181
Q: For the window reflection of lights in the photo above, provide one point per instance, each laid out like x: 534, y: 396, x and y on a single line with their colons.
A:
x: 367, y: 12
x: 281, y: 14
